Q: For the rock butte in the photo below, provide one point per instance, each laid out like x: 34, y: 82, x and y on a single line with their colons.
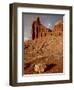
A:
x: 45, y: 49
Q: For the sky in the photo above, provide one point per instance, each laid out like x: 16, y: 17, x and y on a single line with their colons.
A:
x: 47, y: 20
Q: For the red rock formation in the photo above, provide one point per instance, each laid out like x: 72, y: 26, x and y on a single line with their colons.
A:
x: 58, y: 28
x: 45, y: 49
x: 38, y: 30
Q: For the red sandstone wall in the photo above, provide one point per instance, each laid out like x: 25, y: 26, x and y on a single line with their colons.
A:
x: 39, y: 30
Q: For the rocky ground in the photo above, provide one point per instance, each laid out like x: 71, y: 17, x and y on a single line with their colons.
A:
x: 44, y: 55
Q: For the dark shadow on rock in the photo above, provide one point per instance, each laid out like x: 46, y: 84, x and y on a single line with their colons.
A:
x: 26, y: 66
x: 50, y: 67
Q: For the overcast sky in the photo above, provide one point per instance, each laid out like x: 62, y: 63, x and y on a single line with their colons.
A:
x: 47, y: 20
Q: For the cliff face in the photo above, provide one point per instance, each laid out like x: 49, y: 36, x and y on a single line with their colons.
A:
x: 44, y: 53
x: 58, y: 28
x: 38, y: 30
